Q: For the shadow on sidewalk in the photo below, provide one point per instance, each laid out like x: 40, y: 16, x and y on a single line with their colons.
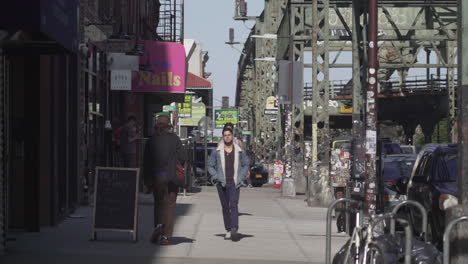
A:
x: 179, y: 240
x: 241, y: 236
x: 71, y: 239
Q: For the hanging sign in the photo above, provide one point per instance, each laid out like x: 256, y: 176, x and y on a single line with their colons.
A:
x: 121, y: 80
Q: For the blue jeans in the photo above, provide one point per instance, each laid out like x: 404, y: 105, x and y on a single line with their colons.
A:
x: 229, y: 198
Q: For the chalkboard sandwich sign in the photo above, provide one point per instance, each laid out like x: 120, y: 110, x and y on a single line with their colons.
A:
x: 116, y: 200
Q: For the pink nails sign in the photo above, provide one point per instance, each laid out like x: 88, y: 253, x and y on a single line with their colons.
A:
x: 162, y: 68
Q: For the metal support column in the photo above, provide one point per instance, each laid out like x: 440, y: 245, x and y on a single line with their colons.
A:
x: 320, y: 188
x: 458, y: 254
x: 463, y: 100
x: 371, y: 113
x: 297, y: 22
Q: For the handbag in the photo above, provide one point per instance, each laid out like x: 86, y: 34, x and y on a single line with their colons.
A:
x: 180, y: 179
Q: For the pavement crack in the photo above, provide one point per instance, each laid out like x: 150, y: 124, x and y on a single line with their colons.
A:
x: 295, y: 241
x: 195, y: 232
x: 291, y: 216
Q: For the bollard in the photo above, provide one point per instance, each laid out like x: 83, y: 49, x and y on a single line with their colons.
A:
x: 446, y: 238
x: 423, y: 213
x: 408, y: 232
x: 329, y: 220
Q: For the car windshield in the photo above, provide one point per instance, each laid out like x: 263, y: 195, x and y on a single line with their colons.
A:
x: 397, y: 169
x: 391, y: 148
x: 407, y: 150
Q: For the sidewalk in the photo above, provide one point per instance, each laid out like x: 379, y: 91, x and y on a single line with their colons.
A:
x: 274, y: 230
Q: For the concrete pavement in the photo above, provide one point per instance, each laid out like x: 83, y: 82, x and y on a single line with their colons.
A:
x: 274, y: 230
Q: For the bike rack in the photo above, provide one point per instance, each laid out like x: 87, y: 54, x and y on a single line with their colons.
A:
x: 446, y: 238
x: 423, y: 212
x: 408, y: 232
x: 329, y: 223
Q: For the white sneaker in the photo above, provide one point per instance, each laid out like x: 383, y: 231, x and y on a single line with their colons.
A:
x: 227, y: 236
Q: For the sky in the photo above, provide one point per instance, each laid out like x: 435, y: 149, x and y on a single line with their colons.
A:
x: 208, y: 23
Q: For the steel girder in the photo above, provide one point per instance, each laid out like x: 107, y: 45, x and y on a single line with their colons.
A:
x: 256, y: 81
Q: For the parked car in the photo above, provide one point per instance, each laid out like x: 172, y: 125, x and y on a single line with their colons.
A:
x: 408, y: 149
x: 433, y: 183
x: 258, y: 175
x: 389, y: 147
x: 396, y: 168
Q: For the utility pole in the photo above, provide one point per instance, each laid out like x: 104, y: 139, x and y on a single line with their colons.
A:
x: 371, y: 113
x: 458, y: 250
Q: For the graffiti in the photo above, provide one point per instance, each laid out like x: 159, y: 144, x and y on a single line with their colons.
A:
x: 333, y: 103
x: 398, y: 15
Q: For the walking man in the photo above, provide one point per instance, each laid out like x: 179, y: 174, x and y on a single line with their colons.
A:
x: 163, y: 152
x: 228, y: 167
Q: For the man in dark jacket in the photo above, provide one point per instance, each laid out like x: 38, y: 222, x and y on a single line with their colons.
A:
x: 163, y: 152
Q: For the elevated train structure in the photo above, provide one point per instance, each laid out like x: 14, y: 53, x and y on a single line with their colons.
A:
x: 332, y: 34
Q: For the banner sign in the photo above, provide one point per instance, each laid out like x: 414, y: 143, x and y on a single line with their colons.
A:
x: 198, y: 111
x: 185, y: 108
x: 162, y: 68
x: 121, y: 61
x: 223, y: 117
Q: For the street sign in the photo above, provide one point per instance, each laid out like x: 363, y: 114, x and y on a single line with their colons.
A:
x: 291, y: 77
x: 223, y: 117
x: 169, y: 108
x: 270, y: 112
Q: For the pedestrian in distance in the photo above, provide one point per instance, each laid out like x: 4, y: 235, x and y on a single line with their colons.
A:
x: 228, y: 167
x: 251, y: 156
x: 163, y: 151
x: 128, y: 140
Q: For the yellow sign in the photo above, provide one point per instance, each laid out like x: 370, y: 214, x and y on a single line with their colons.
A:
x: 346, y: 109
x: 185, y: 108
x: 198, y: 111
x: 271, y: 103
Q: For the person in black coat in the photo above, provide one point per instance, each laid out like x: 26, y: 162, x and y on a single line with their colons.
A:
x: 163, y: 152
